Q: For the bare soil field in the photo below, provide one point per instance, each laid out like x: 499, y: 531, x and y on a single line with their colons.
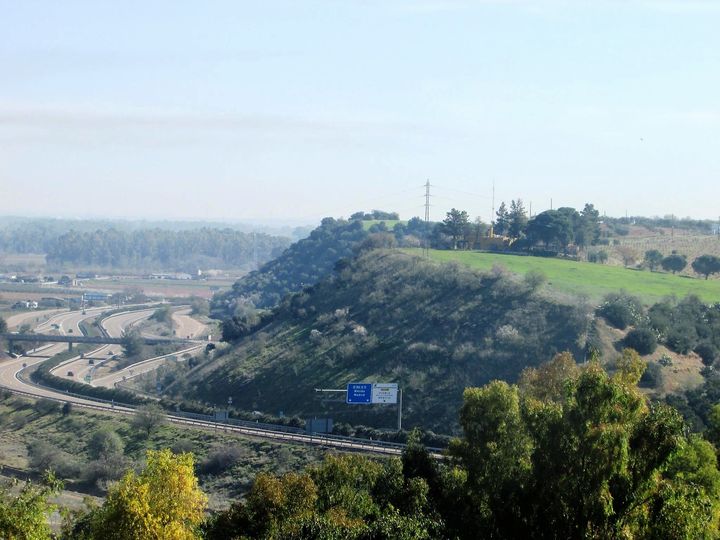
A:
x: 22, y: 261
x: 163, y: 287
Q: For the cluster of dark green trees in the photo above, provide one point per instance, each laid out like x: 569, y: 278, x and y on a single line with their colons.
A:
x: 303, y: 264
x: 37, y: 235
x: 705, y: 265
x: 375, y: 215
x: 569, y: 452
x: 683, y: 326
x: 164, y: 250
x: 553, y: 229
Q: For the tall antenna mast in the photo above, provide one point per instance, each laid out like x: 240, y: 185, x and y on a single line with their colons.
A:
x: 492, y: 215
x: 427, y: 217
x: 427, y: 202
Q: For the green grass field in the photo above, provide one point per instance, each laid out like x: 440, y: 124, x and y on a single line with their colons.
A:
x: 592, y: 280
x: 389, y: 223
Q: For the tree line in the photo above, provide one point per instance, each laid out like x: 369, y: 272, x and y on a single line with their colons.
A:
x: 163, y: 249
x: 37, y: 235
x: 553, y: 229
x: 303, y: 264
x: 568, y: 452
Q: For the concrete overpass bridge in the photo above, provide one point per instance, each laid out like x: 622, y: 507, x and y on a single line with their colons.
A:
x: 94, y: 340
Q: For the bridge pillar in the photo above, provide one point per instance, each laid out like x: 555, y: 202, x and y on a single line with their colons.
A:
x: 10, y: 346
x: 70, y: 346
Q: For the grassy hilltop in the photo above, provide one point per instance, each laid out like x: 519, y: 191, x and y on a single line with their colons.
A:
x: 589, y: 279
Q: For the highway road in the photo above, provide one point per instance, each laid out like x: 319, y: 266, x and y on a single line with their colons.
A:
x: 9, y: 368
x: 10, y: 379
x: 63, y: 323
x: 30, y: 317
x: 137, y: 369
x: 185, y: 326
x: 114, y: 325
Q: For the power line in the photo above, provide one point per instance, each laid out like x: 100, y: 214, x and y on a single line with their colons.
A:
x: 469, y: 193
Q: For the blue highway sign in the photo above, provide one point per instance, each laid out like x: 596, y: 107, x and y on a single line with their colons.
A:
x: 359, y: 393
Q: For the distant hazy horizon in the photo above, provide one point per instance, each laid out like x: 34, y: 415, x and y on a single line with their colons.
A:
x: 287, y: 112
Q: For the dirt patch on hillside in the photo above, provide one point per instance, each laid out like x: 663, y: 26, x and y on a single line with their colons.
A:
x: 680, y: 371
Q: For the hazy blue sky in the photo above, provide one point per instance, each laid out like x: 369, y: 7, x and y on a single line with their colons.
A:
x: 300, y: 109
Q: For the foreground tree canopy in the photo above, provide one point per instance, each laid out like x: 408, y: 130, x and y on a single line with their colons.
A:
x: 163, y: 502
x: 569, y: 452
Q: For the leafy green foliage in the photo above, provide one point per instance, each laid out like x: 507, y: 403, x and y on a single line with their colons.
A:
x: 620, y: 310
x: 349, y: 497
x: 653, y: 376
x: 456, y: 224
x: 653, y: 259
x: 594, y: 460
x: 24, y: 516
x: 551, y: 226
x: 706, y: 265
x: 105, y: 443
x: 571, y: 452
x: 163, y: 502
x: 674, y: 262
x: 148, y: 418
x: 162, y: 314
x: 132, y: 342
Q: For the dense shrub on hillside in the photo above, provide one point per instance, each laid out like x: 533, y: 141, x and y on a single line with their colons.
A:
x: 652, y: 376
x: 302, y: 264
x: 388, y: 316
x: 643, y: 340
x: 685, y: 325
x: 620, y: 310
x: 43, y: 456
x: 708, y: 352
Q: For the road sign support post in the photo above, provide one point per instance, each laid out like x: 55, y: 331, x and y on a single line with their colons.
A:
x: 399, y: 409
